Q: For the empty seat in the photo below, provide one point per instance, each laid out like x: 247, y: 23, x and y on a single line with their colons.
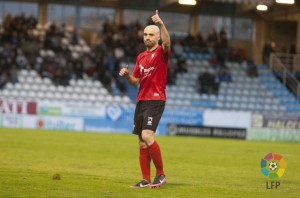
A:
x: 9, y: 86
x: 47, y: 81
x: 41, y: 95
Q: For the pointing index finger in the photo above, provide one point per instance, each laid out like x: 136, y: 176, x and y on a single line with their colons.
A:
x: 156, y: 12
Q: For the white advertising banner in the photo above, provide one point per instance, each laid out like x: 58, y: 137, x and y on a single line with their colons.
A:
x: 230, y: 119
x: 12, y: 121
x: 69, y: 109
x: 53, y: 123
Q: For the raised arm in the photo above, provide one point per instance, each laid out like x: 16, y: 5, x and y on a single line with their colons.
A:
x: 165, y: 37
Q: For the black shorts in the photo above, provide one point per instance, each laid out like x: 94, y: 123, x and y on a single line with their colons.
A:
x: 147, y: 115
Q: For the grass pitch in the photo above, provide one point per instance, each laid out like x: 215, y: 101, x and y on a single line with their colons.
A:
x: 69, y: 164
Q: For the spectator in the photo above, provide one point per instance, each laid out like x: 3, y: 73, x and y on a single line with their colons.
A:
x: 207, y: 81
x: 223, y: 75
x: 269, y: 48
x: 177, y: 48
x: 212, y: 38
x: 3, y: 77
x: 75, y: 37
x: 251, y: 68
x: 106, y: 80
x: 21, y: 60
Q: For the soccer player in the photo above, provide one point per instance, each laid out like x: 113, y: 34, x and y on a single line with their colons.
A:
x: 150, y: 71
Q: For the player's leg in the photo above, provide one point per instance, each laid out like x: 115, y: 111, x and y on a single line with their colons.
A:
x: 152, y: 115
x: 145, y: 160
x: 154, y: 150
x: 155, y: 153
x: 144, y: 155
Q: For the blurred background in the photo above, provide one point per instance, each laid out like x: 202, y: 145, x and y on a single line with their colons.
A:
x: 234, y: 70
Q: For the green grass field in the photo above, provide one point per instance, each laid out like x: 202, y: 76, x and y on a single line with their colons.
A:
x: 105, y: 165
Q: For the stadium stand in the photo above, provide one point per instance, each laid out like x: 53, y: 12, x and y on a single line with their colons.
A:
x: 67, y: 69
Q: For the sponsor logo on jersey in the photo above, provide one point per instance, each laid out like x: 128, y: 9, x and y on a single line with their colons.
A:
x: 145, y: 72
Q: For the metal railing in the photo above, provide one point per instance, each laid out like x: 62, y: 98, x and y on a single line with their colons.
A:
x: 285, y: 68
x: 290, y: 61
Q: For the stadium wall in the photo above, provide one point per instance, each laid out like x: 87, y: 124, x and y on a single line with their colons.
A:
x: 119, y: 119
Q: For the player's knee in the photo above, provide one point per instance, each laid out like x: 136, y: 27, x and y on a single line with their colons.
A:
x: 142, y: 144
x: 148, y: 136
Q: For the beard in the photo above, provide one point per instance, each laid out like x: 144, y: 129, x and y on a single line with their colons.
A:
x: 149, y: 44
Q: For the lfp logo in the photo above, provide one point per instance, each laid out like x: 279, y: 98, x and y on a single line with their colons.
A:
x: 273, y: 167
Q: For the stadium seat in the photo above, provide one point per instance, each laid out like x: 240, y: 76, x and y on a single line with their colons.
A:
x: 41, y: 95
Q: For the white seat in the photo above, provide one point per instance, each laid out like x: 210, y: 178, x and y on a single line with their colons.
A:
x: 88, y: 83
x: 178, y: 102
x: 72, y: 82
x: 29, y: 80
x: 26, y: 87
x: 9, y: 86
x: 47, y: 81
x: 21, y: 79
x: 75, y: 97
x: 187, y: 103
x: 180, y: 95
x: 58, y: 96
x: 189, y: 96
x: 80, y: 83
x: 33, y: 73
x: 78, y: 90
x: 52, y: 88
x: 251, y: 106
x: 228, y: 105
x: 83, y: 97
x: 117, y: 99
x: 41, y: 95
x: 236, y: 105
x: 93, y: 90
x: 24, y: 73
x: 109, y: 99
x: 196, y: 96
x: 99, y: 98
x: 23, y: 94
x: 49, y: 95
x: 91, y: 98
x: 204, y: 96
x: 35, y: 87
x: 126, y: 99
x: 86, y: 90
x: 61, y: 88
x: 38, y: 80
x: 103, y: 91
x: 14, y: 93
x: 69, y: 89
x: 6, y: 93
x: 43, y: 87
x: 97, y: 84
x: 170, y: 102
x: 32, y: 95
x: 66, y: 96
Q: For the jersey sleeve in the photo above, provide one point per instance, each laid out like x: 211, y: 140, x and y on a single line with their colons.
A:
x: 165, y: 55
x: 136, y: 70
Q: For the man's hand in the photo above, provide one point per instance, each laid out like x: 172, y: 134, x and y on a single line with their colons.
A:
x: 156, y: 19
x: 124, y: 71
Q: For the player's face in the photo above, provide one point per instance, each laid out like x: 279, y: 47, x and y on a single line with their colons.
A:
x: 151, y: 37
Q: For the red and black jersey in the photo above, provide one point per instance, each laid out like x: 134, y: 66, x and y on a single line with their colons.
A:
x: 151, y: 68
